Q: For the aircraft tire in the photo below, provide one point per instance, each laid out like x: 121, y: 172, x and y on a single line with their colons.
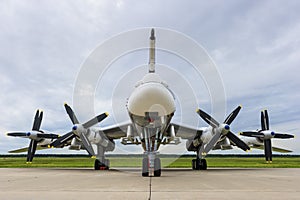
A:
x: 145, y: 168
x: 157, y: 167
x: 101, y: 166
x: 203, y: 164
x: 97, y: 165
x: 107, y: 164
x: 196, y: 164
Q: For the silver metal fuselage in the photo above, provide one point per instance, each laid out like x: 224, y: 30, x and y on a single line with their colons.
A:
x: 151, y: 107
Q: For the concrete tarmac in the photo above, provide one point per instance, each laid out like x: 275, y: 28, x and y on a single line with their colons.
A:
x: 40, y: 183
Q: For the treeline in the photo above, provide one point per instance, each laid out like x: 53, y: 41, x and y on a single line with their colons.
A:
x: 141, y: 155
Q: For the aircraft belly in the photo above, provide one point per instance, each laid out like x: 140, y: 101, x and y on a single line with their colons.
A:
x: 151, y: 128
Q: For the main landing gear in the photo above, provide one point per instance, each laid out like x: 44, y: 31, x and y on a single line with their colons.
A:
x: 150, y: 168
x: 199, y: 164
x: 101, y: 165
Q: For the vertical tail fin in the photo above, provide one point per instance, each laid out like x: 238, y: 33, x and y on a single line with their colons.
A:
x: 151, y: 63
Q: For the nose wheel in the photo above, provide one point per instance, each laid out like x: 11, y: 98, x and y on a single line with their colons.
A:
x: 151, y: 170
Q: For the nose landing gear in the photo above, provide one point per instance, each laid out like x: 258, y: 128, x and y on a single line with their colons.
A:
x: 151, y: 166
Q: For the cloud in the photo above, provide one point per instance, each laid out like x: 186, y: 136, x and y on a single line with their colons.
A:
x: 255, y: 45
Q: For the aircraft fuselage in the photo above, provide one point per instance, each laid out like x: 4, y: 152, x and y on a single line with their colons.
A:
x: 151, y: 107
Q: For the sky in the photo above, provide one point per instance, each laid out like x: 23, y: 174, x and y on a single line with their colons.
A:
x: 254, y: 45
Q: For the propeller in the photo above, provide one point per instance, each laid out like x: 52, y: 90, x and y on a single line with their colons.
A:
x: 222, y: 129
x: 80, y: 130
x: 266, y: 135
x: 35, y: 136
x: 36, y: 127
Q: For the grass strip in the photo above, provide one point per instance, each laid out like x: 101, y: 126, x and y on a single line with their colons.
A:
x: 134, y: 161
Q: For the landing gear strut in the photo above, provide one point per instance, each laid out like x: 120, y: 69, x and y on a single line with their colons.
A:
x: 199, y: 163
x: 101, y: 163
x: 152, y: 137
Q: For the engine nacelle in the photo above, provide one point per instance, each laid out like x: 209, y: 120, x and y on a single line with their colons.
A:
x: 75, y: 144
x: 252, y: 140
x: 111, y: 145
x: 224, y: 144
x: 97, y: 137
x: 193, y: 145
x: 206, y: 135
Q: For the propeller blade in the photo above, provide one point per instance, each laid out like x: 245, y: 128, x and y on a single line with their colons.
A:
x: 283, y: 135
x: 95, y: 120
x: 47, y: 135
x: 87, y: 144
x: 40, y: 120
x: 18, y: 134
x: 37, y: 120
x: 63, y: 139
x: 252, y: 134
x: 241, y: 144
x: 208, y: 119
x: 31, y: 150
x: 264, y: 117
x: 232, y: 115
x: 268, y: 149
x: 71, y: 114
x: 211, y: 144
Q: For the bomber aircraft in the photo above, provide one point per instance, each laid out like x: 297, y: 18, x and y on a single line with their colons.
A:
x: 150, y: 107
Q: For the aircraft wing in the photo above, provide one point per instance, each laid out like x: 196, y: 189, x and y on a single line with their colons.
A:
x: 183, y: 131
x: 277, y: 149
x: 25, y: 149
x: 116, y: 131
x: 186, y: 132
